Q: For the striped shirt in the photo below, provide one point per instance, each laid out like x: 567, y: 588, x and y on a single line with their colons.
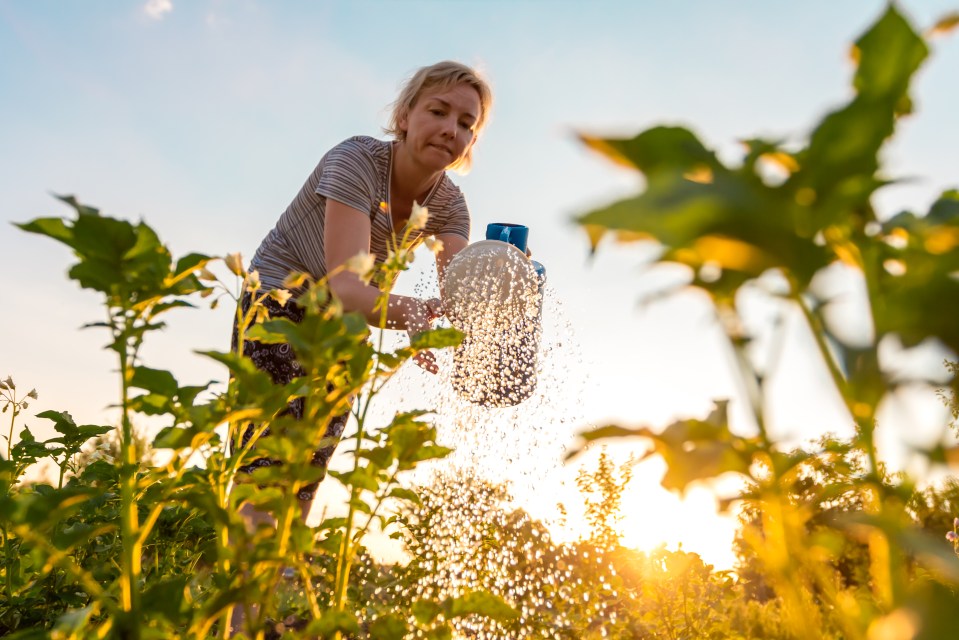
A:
x: 355, y: 172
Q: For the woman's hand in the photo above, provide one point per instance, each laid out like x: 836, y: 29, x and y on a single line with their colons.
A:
x: 422, y: 320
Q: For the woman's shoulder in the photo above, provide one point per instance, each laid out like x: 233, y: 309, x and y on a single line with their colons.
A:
x: 364, y: 145
x: 448, y: 194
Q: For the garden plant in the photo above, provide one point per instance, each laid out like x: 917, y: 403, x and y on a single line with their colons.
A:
x: 789, y: 215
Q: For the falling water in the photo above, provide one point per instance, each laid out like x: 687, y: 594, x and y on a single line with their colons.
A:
x: 490, y: 508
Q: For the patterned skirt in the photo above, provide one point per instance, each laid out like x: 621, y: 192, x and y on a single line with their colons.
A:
x: 279, y: 361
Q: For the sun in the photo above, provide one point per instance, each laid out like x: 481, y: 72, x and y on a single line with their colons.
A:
x: 654, y: 517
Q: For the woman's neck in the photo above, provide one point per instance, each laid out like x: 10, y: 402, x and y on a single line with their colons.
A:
x: 411, y: 181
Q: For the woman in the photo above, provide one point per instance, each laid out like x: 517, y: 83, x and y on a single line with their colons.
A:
x: 361, y: 196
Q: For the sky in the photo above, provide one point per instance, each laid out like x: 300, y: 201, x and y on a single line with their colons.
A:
x: 205, y: 117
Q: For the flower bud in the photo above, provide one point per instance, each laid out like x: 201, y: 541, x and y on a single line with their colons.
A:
x: 234, y: 262
x: 295, y: 280
x: 252, y: 282
x: 955, y: 523
x: 951, y: 536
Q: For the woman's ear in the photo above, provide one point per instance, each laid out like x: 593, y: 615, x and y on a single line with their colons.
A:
x: 403, y: 121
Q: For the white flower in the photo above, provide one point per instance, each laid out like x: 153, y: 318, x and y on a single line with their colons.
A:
x: 281, y: 295
x: 418, y: 216
x: 362, y: 265
x: 434, y: 244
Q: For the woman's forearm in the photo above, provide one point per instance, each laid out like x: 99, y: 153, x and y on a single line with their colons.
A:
x: 404, y: 313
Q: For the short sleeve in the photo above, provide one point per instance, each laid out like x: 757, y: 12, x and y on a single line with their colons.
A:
x: 349, y: 176
x: 458, y: 217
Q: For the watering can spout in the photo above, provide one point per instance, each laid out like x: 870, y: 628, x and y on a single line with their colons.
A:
x: 493, y: 293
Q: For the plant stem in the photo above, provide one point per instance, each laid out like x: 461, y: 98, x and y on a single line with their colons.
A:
x: 818, y: 332
x: 13, y: 418
x: 130, y: 567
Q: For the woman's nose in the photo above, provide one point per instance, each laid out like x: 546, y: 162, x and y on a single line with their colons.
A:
x: 450, y: 129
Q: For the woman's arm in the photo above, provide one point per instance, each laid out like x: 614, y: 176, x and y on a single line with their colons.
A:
x: 347, y: 233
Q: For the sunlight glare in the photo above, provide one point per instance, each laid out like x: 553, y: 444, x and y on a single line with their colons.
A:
x: 654, y: 517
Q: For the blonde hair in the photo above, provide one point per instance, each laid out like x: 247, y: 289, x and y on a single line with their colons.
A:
x: 441, y: 76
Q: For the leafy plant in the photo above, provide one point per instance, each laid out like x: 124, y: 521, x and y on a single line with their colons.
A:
x: 779, y: 222
x: 126, y: 547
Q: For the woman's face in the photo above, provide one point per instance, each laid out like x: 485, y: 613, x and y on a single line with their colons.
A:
x: 440, y: 127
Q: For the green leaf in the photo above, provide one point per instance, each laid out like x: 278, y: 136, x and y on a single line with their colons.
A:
x: 361, y: 478
x: 168, y: 597
x: 441, y: 632
x: 388, y: 627
x: 692, y: 449
x: 146, y: 244
x: 732, y: 222
x: 191, y: 262
x: 844, y: 147
x: 657, y: 149
x: 945, y: 210
x: 28, y: 450
x: 889, y: 54
x: 81, y: 209
x: 63, y: 423
x: 332, y: 622
x: 182, y: 438
x: 154, y: 380
x: 100, y: 471
x: 78, y: 533
x: 425, y: 611
x: 380, y: 457
x: 74, y: 621
x: 405, y: 494
x: 105, y: 239
x: 437, y: 339
x: 480, y: 603
x: 54, y: 228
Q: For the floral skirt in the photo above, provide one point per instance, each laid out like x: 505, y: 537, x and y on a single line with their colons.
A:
x: 279, y: 361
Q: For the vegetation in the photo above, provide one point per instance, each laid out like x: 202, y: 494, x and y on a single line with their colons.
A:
x: 142, y: 540
x: 828, y: 532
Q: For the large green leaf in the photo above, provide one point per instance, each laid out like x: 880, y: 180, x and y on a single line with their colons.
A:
x: 657, y: 149
x: 733, y: 222
x: 692, y: 449
x: 155, y: 380
x: 889, y: 54
x: 845, y: 146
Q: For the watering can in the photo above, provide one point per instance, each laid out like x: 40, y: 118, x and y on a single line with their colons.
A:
x: 493, y: 293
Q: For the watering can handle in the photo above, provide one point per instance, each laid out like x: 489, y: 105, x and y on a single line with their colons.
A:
x: 504, y: 234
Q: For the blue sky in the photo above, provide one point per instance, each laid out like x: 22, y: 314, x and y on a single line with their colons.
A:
x: 205, y: 117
